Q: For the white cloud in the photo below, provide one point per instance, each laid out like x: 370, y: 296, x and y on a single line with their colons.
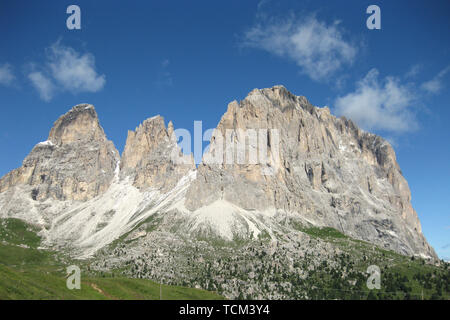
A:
x: 42, y: 84
x: 317, y: 48
x: 6, y: 74
x: 74, y: 71
x: 65, y: 69
x: 379, y: 105
x: 435, y: 85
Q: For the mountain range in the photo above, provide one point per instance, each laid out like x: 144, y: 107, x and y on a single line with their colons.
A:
x: 148, y: 206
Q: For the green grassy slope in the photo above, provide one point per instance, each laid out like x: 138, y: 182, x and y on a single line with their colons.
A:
x: 402, y: 277
x: 27, y: 272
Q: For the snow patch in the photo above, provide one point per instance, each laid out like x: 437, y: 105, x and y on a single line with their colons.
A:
x: 45, y: 143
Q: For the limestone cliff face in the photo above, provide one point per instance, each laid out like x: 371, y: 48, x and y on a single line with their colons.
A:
x: 325, y: 169
x: 77, y: 162
x: 148, y: 157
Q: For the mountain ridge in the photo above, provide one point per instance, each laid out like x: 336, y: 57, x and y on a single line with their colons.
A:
x: 328, y: 173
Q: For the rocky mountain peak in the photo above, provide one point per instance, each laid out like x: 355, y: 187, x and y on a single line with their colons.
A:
x: 325, y: 171
x: 80, y: 123
x: 277, y: 96
x: 77, y: 162
x: 148, y: 156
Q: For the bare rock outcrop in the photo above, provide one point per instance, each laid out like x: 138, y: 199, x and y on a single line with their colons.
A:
x: 325, y: 169
x: 77, y: 162
x: 149, y: 156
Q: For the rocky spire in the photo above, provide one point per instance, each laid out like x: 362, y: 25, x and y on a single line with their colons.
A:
x: 148, y: 157
x: 80, y: 123
x: 77, y: 162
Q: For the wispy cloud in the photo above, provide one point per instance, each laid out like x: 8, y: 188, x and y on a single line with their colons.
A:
x: 164, y: 76
x: 319, y: 49
x: 379, y: 104
x: 436, y: 84
x: 413, y: 71
x: 43, y: 85
x: 6, y: 74
x: 65, y: 69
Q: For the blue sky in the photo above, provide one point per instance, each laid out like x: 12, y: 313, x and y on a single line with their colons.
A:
x: 188, y: 60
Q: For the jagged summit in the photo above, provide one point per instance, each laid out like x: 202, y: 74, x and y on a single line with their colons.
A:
x: 277, y: 96
x: 80, y: 123
x: 148, y: 156
x: 77, y: 162
x: 149, y: 121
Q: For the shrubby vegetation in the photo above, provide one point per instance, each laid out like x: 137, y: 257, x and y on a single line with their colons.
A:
x: 311, y: 264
